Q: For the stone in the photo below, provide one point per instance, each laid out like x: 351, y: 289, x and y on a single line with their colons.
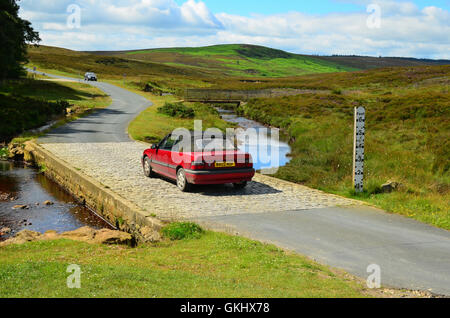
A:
x: 84, y: 234
x: 22, y: 237
x: 50, y: 235
x: 150, y: 235
x: 4, y: 196
x: 390, y: 186
x: 21, y: 207
x: 16, y: 151
x: 5, y: 230
x: 48, y: 202
x: 109, y: 237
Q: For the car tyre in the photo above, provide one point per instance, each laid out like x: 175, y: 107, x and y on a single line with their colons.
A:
x: 240, y: 186
x: 182, y: 182
x: 148, y: 171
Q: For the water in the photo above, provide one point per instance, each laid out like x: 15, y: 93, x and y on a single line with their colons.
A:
x: 266, y: 148
x: 20, y: 185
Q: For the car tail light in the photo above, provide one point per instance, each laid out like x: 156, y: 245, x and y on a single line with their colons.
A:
x: 197, y: 165
x: 248, y: 162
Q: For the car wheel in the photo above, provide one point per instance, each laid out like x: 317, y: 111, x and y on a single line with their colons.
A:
x: 240, y: 185
x: 182, y: 182
x: 148, y: 171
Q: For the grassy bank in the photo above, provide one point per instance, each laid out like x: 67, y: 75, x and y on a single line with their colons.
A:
x: 216, y: 265
x: 151, y: 126
x: 408, y: 133
x: 31, y: 103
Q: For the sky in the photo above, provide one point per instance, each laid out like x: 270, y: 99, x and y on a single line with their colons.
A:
x: 408, y: 28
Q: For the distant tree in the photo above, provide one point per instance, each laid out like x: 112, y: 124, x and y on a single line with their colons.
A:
x: 15, y: 35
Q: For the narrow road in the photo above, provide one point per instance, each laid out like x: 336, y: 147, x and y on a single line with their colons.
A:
x: 410, y: 254
x: 105, y: 125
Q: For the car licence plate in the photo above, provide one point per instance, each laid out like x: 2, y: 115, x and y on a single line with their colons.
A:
x: 225, y: 164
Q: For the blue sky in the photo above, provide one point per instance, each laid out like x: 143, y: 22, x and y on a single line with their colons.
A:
x: 248, y: 7
x: 408, y: 28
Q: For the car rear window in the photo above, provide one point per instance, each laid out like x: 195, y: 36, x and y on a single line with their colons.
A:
x: 214, y: 145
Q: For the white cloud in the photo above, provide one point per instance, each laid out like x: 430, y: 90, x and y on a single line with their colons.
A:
x: 406, y: 30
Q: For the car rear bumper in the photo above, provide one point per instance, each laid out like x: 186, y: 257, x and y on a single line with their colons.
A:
x: 219, y: 177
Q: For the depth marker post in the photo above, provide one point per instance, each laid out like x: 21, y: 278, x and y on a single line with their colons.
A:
x: 358, y: 149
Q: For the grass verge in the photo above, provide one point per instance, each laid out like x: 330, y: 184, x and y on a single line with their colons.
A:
x: 151, y: 125
x: 214, y: 265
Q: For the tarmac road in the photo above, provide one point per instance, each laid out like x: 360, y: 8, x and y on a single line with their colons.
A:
x: 105, y: 125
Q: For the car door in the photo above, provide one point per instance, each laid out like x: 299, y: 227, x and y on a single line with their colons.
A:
x: 164, y: 156
x: 173, y: 155
x: 158, y: 164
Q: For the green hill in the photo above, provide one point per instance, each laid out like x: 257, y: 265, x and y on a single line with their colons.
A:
x: 259, y: 61
x: 236, y: 60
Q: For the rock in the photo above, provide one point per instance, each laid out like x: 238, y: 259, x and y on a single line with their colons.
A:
x: 390, y: 186
x: 106, y: 236
x: 48, y: 202
x: 84, y: 234
x: 150, y: 235
x: 16, y: 151
x: 4, y: 196
x: 5, y: 230
x: 50, y: 235
x: 21, y: 207
x: 22, y: 237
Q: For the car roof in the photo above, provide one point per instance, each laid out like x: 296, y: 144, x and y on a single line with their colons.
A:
x: 196, y: 135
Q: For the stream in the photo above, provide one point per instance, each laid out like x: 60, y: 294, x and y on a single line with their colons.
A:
x: 269, y: 152
x: 24, y: 186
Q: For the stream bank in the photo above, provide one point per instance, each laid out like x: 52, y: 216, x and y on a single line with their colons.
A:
x: 29, y: 200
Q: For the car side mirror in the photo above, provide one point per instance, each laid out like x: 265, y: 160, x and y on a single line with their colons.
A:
x: 154, y: 147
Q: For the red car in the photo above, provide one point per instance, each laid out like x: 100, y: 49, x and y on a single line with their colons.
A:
x: 192, y: 162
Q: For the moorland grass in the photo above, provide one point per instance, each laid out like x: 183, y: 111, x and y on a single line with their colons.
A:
x: 407, y: 139
x: 241, y: 60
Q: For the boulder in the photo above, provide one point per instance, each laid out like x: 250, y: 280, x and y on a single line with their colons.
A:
x: 5, y: 230
x: 21, y: 207
x: 22, y: 237
x: 106, y: 236
x: 84, y: 234
x: 150, y: 235
x: 47, y: 202
x: 50, y: 235
x: 390, y: 186
x: 16, y: 151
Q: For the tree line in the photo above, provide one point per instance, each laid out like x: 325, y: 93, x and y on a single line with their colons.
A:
x: 15, y: 35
